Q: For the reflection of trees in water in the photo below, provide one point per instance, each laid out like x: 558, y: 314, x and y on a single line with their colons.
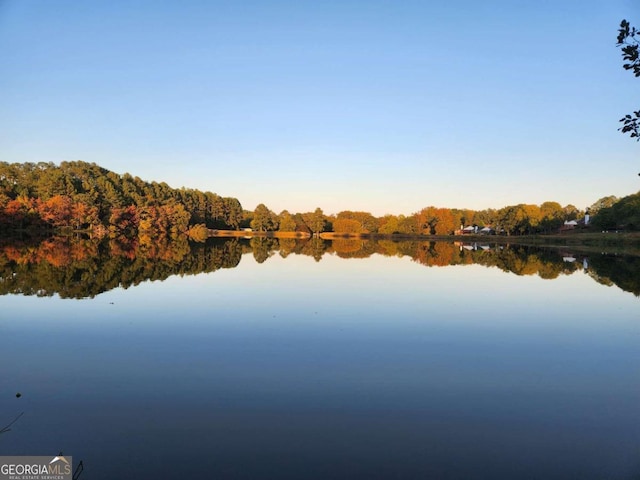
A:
x: 85, y: 268
x: 287, y: 246
x: 437, y: 254
x: 523, y: 260
x: 353, y: 247
x: 78, y: 268
x: 263, y: 248
x: 314, y: 247
x: 623, y: 271
x: 515, y: 259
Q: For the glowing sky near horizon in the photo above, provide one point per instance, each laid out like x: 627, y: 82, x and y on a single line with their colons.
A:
x: 373, y: 105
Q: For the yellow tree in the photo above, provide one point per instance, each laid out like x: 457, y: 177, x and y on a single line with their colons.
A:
x: 533, y: 217
x: 388, y: 225
x: 347, y: 225
x: 552, y: 216
x: 445, y: 222
x: 287, y: 223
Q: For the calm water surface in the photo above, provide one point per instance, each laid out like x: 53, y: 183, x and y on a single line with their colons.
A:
x: 377, y: 367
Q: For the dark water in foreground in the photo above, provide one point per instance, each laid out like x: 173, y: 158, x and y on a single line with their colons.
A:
x: 331, y: 361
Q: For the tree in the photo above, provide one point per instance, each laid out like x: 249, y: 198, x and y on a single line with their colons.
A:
x: 571, y: 212
x: 315, y: 221
x: 511, y: 219
x: 426, y: 220
x: 233, y: 212
x: 624, y: 213
x: 83, y: 215
x: 485, y: 218
x: 388, y: 225
x: 287, y: 223
x: 20, y: 212
x: 445, y: 222
x: 408, y: 225
x: 124, y: 220
x: 604, y: 202
x: 629, y: 41
x: 439, y: 221
x: 301, y: 224
x: 56, y: 210
x: 368, y: 223
x: 552, y: 216
x: 532, y: 218
x: 263, y: 219
x: 347, y: 225
x: 178, y: 218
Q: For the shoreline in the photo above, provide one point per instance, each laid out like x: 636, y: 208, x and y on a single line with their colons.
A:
x: 565, y: 238
x: 592, y: 242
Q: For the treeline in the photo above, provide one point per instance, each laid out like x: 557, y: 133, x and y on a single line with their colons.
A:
x: 618, y: 214
x: 84, y: 196
x: 519, y: 219
x: 80, y: 268
x: 523, y: 219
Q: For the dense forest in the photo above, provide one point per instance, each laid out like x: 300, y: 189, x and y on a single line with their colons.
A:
x: 80, y: 268
x: 82, y: 196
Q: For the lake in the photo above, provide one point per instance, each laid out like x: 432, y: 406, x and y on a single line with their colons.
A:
x: 291, y: 359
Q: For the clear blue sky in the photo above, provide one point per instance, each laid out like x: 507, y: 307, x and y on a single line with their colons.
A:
x: 383, y: 106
